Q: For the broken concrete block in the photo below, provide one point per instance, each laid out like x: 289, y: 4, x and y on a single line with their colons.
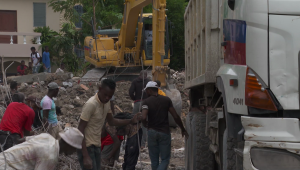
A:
x: 67, y: 125
x: 70, y: 106
x: 78, y: 103
x: 59, y: 83
x: 76, y: 78
x: 67, y: 84
x: 84, y: 87
x: 62, y: 88
x: 46, y: 77
x: 28, y: 78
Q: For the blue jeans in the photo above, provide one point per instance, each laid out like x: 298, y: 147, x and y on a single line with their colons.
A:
x: 159, y: 144
x: 94, y: 153
x: 132, y: 151
x: 36, y: 69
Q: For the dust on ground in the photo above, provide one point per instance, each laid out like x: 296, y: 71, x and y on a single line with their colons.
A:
x: 73, y: 95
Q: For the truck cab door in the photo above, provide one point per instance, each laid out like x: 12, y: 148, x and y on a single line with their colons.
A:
x: 284, y: 47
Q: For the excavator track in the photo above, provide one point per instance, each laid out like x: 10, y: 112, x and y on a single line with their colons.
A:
x: 115, y: 73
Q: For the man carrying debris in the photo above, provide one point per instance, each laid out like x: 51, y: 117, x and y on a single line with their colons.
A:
x: 94, y: 113
x: 136, y: 93
x: 16, y: 122
x: 41, y: 152
x: 49, y: 111
x: 112, y: 134
x: 156, y: 108
x: 13, y: 90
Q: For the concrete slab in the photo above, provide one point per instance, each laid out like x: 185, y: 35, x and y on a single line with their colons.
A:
x: 40, y: 77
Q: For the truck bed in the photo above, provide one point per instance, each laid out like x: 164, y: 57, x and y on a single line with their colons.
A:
x: 203, y: 36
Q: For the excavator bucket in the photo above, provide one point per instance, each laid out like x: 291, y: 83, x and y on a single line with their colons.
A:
x: 175, y: 96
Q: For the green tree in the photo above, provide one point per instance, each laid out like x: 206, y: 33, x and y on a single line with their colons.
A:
x: 104, y: 13
x: 47, y: 34
x: 175, y: 14
x: 61, y: 45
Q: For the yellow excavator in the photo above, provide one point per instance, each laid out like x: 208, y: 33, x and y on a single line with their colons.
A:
x: 140, y: 43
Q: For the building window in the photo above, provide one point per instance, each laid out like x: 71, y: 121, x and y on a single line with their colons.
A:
x: 79, y: 10
x: 39, y: 14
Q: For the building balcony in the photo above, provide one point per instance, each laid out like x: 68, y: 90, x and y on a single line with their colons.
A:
x: 13, y: 51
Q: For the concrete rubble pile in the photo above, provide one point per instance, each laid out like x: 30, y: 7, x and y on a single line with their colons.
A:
x: 72, y: 96
x: 178, y: 78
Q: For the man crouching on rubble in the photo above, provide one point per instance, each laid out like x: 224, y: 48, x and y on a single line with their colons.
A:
x: 111, y: 142
x: 16, y: 122
x: 41, y: 152
x: 94, y: 113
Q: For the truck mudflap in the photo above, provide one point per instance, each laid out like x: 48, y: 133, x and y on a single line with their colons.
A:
x: 271, y: 143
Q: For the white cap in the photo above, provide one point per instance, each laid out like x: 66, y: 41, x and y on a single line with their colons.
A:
x: 72, y: 136
x: 151, y: 84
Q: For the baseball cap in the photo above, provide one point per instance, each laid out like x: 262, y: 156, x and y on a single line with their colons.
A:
x: 151, y: 84
x: 53, y: 85
x: 72, y: 136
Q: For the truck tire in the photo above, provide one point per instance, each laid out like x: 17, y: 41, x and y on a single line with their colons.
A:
x: 226, y: 144
x: 189, y: 143
x: 239, y: 159
x: 203, y: 158
x: 229, y: 156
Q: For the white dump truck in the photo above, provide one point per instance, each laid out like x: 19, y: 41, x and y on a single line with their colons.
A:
x: 242, y: 68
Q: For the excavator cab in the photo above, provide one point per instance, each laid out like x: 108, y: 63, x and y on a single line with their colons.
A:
x: 147, y: 41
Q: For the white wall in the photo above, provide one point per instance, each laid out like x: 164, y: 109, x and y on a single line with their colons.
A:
x: 24, y: 10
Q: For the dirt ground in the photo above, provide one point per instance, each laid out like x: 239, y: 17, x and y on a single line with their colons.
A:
x: 72, y: 97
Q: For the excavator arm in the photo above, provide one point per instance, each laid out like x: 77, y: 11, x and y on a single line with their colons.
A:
x: 158, y: 22
x: 133, y: 11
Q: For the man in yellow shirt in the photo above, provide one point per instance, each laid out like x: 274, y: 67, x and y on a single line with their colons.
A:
x: 160, y: 92
x: 94, y: 113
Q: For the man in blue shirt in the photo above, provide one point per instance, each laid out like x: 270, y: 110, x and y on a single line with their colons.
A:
x: 46, y: 60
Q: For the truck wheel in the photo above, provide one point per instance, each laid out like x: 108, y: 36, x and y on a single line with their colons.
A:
x: 228, y: 154
x: 239, y: 159
x: 189, y: 143
x: 203, y: 157
x: 226, y: 144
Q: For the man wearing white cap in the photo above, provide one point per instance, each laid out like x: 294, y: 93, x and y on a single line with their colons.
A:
x: 41, y: 152
x: 156, y: 108
x: 49, y: 110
